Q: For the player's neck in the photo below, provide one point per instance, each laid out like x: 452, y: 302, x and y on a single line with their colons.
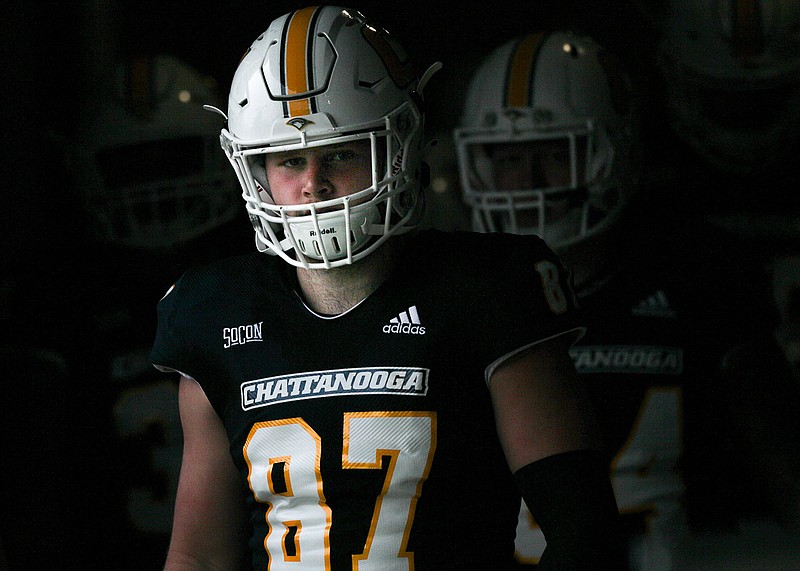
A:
x: 334, y: 291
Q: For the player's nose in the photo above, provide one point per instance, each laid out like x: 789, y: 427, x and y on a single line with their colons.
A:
x: 317, y: 185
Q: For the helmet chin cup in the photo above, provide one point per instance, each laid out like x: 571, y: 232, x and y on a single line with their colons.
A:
x: 333, y: 237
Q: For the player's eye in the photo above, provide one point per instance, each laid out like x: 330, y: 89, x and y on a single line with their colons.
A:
x: 508, y: 161
x: 293, y: 162
x: 340, y: 156
x: 283, y: 160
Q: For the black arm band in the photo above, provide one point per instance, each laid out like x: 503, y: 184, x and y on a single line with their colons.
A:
x: 571, y: 499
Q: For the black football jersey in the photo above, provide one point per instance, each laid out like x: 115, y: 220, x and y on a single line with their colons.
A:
x: 658, y: 330
x: 367, y: 439
x: 632, y: 361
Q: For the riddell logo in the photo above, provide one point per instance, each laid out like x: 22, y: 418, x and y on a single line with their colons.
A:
x: 407, y: 322
x: 323, y: 231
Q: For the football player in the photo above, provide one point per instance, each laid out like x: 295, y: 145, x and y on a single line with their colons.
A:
x: 547, y: 145
x: 358, y: 394
x: 730, y: 73
x: 149, y: 180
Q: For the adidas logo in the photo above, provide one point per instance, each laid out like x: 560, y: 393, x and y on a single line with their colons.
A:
x: 407, y: 322
x: 655, y: 305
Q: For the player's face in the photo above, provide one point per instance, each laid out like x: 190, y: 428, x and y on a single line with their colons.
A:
x: 533, y: 164
x: 319, y: 173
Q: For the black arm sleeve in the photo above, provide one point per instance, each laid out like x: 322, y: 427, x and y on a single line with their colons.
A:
x: 571, y: 499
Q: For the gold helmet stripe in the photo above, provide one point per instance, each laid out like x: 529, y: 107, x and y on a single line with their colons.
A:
x: 139, y: 94
x: 519, y: 80
x: 296, y: 70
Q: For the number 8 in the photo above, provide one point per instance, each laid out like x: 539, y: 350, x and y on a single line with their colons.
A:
x: 553, y: 291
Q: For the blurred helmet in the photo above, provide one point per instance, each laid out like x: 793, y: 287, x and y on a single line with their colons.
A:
x: 323, y: 76
x: 148, y: 164
x: 732, y: 71
x: 545, y: 142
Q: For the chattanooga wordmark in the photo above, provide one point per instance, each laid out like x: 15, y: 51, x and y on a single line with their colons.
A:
x: 412, y: 381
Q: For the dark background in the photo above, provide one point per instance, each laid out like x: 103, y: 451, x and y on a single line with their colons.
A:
x: 57, y: 55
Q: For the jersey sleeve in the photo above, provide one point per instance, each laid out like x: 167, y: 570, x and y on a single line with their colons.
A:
x: 172, y: 350
x: 534, y: 301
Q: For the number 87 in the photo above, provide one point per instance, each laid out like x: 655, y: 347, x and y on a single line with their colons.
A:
x: 283, y: 457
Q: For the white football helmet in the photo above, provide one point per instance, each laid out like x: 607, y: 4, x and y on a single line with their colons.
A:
x: 732, y: 78
x: 558, y: 94
x: 147, y: 164
x: 322, y: 76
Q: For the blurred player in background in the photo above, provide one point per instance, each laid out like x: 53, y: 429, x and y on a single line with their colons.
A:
x: 154, y: 182
x: 730, y: 71
x: 149, y: 181
x: 731, y: 91
x: 731, y: 77
x: 549, y: 144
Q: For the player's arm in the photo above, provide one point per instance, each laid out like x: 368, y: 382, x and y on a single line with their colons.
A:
x: 208, y: 530
x: 547, y: 430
